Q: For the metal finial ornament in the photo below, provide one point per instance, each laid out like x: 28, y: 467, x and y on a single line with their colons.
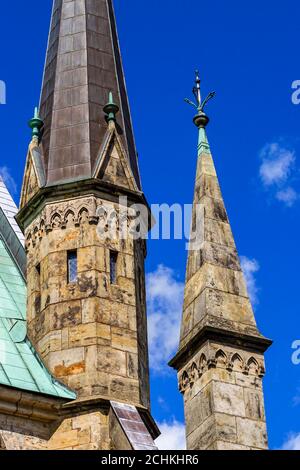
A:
x: 111, y: 109
x: 36, y: 124
x: 201, y: 119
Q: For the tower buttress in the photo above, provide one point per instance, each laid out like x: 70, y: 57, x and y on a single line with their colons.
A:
x: 220, y: 361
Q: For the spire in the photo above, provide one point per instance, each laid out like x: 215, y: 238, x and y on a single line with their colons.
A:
x: 220, y: 361
x: 215, y: 291
x: 83, y: 65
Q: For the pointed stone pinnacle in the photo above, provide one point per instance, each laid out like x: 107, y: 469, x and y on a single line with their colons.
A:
x: 36, y: 124
x: 111, y: 109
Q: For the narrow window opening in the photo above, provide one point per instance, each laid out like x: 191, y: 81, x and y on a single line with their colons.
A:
x: 38, y: 276
x: 38, y: 269
x: 72, y: 266
x: 37, y: 301
x: 113, y: 267
x: 139, y: 285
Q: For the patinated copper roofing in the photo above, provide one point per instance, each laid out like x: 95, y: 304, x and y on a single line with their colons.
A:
x: 83, y: 65
x: 20, y: 366
x: 7, y: 204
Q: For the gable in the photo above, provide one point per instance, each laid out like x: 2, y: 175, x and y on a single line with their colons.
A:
x: 113, y: 164
x: 34, y: 177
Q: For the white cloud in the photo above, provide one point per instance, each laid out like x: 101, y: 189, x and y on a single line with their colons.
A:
x: 250, y: 267
x: 277, y: 164
x: 296, y: 400
x: 165, y: 296
x: 292, y: 443
x: 287, y: 195
x: 163, y: 403
x: 172, y: 436
x: 276, y: 171
x: 7, y: 178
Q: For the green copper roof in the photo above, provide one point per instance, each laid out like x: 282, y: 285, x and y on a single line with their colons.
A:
x: 203, y: 144
x: 20, y: 365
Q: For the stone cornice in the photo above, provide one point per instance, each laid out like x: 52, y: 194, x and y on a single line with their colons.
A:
x: 33, y: 406
x: 91, y: 403
x: 233, y: 338
x: 47, y: 409
x: 96, y: 187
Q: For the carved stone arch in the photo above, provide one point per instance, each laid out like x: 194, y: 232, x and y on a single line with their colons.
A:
x: 202, y: 364
x: 252, y: 366
x: 108, y: 222
x: 261, y: 371
x: 56, y: 220
x: 42, y: 226
x: 194, y: 373
x: 183, y: 382
x: 35, y: 235
x: 237, y: 362
x: 28, y: 241
x: 83, y: 215
x: 221, y: 358
x: 69, y: 218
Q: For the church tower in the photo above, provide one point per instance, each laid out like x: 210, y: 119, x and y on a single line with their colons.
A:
x: 86, y: 306
x: 220, y: 361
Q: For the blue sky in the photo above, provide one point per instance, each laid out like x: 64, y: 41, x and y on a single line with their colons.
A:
x: 246, y: 52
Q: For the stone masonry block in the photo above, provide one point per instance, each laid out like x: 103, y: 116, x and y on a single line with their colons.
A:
x: 228, y: 398
x: 252, y: 433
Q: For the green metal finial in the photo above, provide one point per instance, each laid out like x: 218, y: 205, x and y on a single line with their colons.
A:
x: 36, y: 124
x: 201, y: 119
x: 111, y: 109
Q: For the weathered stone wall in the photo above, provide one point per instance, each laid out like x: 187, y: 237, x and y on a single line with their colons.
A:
x: 92, y: 335
x: 18, y: 433
x: 84, y: 432
x: 87, y: 431
x: 223, y: 399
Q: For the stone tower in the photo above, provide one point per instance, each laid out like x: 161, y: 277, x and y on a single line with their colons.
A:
x: 86, y: 311
x: 220, y: 361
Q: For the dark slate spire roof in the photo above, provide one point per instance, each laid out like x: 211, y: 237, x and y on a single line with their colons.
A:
x: 83, y: 65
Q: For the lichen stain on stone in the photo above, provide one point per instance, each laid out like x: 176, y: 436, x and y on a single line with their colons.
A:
x: 87, y: 284
x: 47, y: 300
x: 220, y: 212
x: 67, y: 319
x: 131, y: 367
x: 39, y: 326
x: 37, y: 304
x: 71, y: 288
x: 74, y: 369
